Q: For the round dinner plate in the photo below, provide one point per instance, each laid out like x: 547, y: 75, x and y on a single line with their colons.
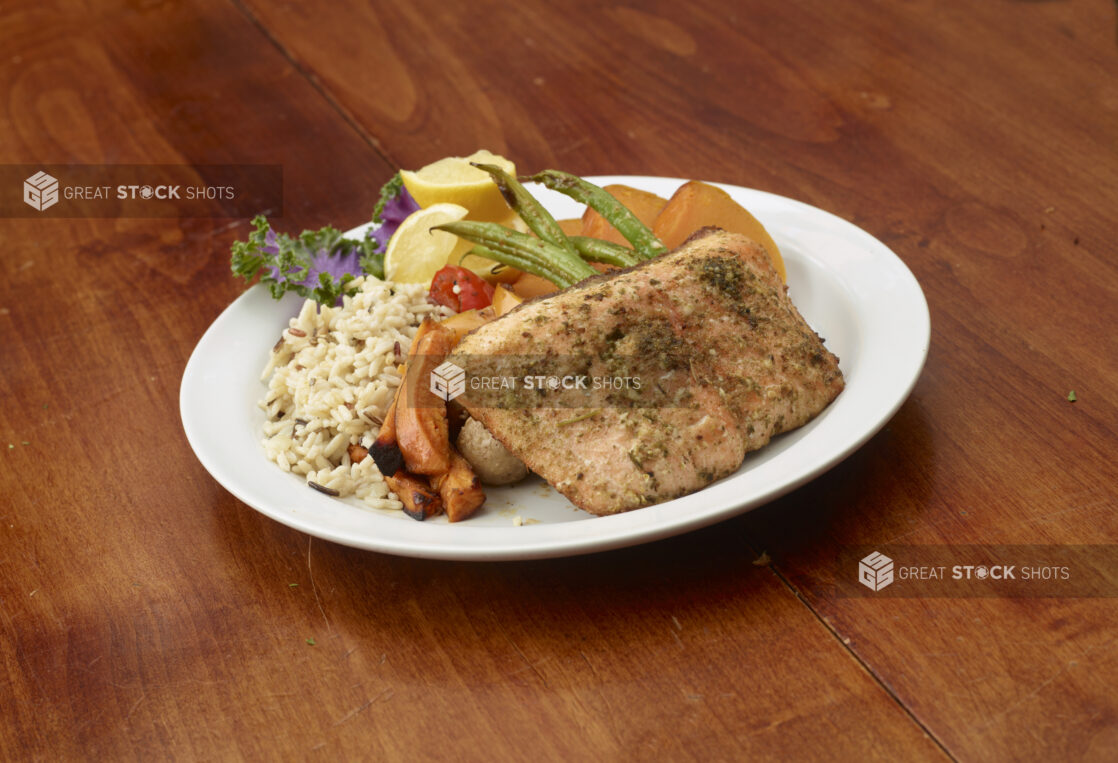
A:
x: 848, y: 285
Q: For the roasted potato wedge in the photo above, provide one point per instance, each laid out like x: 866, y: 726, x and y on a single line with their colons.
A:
x: 422, y: 430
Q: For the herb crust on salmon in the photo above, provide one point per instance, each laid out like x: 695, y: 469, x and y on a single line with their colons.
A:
x: 724, y: 359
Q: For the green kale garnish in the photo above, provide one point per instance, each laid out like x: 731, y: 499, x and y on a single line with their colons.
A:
x: 317, y: 265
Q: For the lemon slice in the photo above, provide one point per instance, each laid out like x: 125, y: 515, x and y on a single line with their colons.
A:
x: 454, y: 180
x: 415, y: 252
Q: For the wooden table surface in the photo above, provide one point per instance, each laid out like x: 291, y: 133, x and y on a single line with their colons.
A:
x: 145, y: 613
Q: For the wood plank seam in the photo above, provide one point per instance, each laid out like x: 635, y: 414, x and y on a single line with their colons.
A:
x: 856, y: 657
x: 317, y: 84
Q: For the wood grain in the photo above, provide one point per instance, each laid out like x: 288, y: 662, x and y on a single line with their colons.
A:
x: 145, y: 613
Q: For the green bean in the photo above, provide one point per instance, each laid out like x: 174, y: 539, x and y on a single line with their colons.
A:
x: 500, y: 239
x: 513, y: 261
x: 560, y: 267
x: 486, y: 245
x: 481, y: 251
x: 597, y: 250
x: 644, y: 241
x: 538, y: 219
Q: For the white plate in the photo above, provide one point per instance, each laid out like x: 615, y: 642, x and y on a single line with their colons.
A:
x: 848, y: 285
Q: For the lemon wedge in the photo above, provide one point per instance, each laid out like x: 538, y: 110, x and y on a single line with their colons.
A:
x: 415, y: 252
x: 454, y: 180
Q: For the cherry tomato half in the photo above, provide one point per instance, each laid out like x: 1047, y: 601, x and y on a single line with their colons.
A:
x: 472, y: 291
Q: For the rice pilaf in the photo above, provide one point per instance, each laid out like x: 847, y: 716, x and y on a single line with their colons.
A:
x: 331, y: 378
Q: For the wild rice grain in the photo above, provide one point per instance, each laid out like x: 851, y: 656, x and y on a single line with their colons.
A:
x: 324, y: 489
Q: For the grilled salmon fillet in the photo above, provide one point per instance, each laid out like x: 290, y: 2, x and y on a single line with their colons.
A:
x: 707, y: 359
